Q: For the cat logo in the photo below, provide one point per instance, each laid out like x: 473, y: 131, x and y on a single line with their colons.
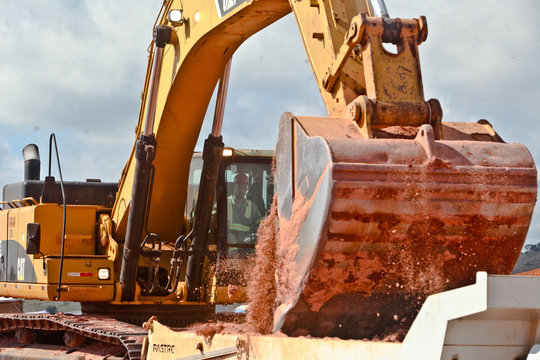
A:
x: 226, y: 6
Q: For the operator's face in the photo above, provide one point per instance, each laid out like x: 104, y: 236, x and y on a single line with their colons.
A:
x: 240, y: 190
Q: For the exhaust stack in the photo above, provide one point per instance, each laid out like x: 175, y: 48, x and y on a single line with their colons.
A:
x: 32, y: 163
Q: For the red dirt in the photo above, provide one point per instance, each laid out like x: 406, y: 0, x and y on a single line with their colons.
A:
x: 233, y: 291
x: 208, y: 330
x: 534, y: 272
x: 287, y: 248
x: 261, y: 285
x: 388, y: 193
x: 98, y: 350
x: 437, y: 163
x: 395, y: 132
x: 445, y: 236
x: 436, y: 240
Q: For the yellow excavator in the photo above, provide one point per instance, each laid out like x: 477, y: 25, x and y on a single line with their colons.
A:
x: 380, y: 204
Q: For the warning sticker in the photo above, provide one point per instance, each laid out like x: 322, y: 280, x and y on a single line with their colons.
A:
x: 20, y: 268
x: 226, y: 6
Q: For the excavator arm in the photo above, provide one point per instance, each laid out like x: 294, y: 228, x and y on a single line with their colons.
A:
x: 334, y: 33
x: 187, y: 65
x: 191, y: 66
x: 379, y: 204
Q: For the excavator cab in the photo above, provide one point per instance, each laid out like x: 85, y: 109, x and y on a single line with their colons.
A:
x: 244, y: 194
x: 249, y: 178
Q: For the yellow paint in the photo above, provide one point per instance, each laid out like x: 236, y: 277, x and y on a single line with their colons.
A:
x: 189, y: 74
x: 79, y: 229
x: 96, y: 293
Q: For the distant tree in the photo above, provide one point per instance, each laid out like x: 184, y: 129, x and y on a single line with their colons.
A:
x: 532, y: 247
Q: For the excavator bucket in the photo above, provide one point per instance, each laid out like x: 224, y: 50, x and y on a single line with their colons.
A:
x: 368, y: 228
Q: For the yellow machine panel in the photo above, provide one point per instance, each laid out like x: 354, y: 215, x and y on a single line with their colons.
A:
x: 85, y: 274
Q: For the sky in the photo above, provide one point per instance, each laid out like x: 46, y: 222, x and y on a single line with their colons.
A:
x: 76, y: 68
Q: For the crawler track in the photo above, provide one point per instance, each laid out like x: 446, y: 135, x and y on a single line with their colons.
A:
x: 97, y: 327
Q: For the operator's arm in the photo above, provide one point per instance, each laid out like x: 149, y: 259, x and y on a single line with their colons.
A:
x: 255, y: 218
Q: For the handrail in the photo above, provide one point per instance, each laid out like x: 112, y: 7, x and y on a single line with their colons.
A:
x: 53, y: 137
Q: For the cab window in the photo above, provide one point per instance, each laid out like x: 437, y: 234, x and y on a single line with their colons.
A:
x: 194, y: 181
x: 249, y: 189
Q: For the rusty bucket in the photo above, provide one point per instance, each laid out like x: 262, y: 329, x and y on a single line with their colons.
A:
x: 370, y: 227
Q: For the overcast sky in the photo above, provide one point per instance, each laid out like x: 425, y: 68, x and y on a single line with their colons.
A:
x: 76, y: 68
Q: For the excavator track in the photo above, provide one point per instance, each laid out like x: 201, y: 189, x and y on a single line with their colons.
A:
x: 97, y: 327
x: 171, y: 315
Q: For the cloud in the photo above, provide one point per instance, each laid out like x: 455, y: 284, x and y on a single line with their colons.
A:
x: 77, y: 69
x: 69, y: 60
x: 11, y: 166
x: 481, y: 59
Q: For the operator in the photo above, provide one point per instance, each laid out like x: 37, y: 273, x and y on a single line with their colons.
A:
x: 243, y: 216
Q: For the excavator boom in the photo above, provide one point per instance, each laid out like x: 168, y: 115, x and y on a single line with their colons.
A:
x: 192, y: 63
x: 383, y: 203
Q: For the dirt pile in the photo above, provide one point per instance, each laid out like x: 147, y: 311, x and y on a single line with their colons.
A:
x: 208, y: 330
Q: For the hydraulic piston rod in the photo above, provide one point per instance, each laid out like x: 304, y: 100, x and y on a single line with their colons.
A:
x: 144, y: 153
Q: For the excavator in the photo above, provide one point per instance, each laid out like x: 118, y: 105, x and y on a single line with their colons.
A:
x: 384, y: 214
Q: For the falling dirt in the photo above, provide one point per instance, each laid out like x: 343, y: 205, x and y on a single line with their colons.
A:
x: 287, y: 248
x: 261, y: 289
x: 275, y: 264
x: 261, y: 285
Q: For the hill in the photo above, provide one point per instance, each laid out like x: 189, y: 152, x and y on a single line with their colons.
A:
x: 529, y: 259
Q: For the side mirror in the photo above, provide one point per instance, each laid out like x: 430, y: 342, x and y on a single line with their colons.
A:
x: 33, y: 235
